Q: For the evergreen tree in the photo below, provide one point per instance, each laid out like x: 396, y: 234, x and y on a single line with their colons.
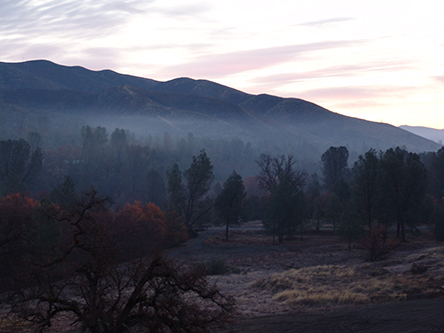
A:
x: 365, y: 186
x: 230, y: 201
x: 198, y: 179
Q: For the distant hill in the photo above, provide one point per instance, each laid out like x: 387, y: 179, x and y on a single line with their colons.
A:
x: 433, y: 134
x: 183, y: 105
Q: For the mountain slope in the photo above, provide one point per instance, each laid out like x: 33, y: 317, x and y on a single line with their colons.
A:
x: 185, y: 105
x: 433, y: 134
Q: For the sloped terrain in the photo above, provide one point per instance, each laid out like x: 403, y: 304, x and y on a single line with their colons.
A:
x: 317, y: 285
x: 185, y: 105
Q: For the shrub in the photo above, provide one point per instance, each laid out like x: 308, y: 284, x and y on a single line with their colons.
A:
x: 213, y: 267
x: 377, y: 243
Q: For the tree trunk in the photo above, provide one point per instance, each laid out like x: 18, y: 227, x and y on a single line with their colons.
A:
x: 226, y: 229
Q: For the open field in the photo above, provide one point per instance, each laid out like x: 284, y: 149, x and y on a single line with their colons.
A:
x: 316, y: 284
x: 318, y: 276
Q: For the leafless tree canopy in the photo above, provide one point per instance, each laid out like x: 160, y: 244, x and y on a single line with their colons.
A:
x: 100, y: 292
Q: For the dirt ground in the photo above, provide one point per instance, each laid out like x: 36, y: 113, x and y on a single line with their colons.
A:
x: 317, y: 285
x: 261, y: 279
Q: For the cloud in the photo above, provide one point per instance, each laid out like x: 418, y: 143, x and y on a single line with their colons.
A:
x: 35, y: 19
x: 220, y: 65
x: 183, y: 10
x: 326, y: 21
x: 440, y: 78
x: 336, y: 71
x: 355, y: 94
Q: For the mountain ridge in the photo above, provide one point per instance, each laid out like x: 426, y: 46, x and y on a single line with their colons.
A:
x: 189, y: 105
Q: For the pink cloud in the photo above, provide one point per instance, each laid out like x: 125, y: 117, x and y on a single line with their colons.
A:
x: 220, y: 65
x: 355, y: 93
x: 327, y: 21
x: 335, y: 71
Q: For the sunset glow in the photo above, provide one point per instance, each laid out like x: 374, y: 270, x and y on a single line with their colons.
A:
x: 377, y: 60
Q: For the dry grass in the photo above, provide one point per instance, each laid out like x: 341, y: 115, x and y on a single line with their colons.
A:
x: 13, y: 325
x: 331, y: 284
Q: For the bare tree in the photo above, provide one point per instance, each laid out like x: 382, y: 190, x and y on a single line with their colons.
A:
x: 286, y: 206
x: 91, y: 284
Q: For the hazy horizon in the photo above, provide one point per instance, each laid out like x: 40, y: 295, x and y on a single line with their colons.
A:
x: 369, y: 59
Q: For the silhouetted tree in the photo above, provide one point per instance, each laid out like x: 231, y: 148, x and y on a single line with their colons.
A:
x: 18, y: 166
x: 101, y: 294
x: 350, y: 226
x: 403, y: 185
x: 335, y: 171
x: 436, y: 169
x: 284, y: 183
x: 365, y: 186
x: 198, y: 179
x: 119, y: 144
x: 230, y: 201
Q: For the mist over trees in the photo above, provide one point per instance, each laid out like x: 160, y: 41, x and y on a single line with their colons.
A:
x: 99, y: 214
x: 102, y: 173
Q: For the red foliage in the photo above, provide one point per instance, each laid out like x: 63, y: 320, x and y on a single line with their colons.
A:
x: 377, y: 243
x: 145, y: 228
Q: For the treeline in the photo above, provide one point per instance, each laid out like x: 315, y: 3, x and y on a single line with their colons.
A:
x: 118, y: 165
x: 383, y: 188
x: 111, y: 205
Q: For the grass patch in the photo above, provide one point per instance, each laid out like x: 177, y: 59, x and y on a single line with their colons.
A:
x: 329, y: 284
x: 14, y: 325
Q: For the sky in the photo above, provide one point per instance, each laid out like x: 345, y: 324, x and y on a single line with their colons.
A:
x: 380, y: 60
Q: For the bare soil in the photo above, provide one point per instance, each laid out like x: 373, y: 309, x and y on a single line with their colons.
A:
x: 316, y: 284
x: 394, y: 295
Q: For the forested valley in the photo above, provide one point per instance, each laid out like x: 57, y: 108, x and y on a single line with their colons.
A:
x: 83, y: 224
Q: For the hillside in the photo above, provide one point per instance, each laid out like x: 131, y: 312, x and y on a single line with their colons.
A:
x: 106, y: 98
x: 433, y: 134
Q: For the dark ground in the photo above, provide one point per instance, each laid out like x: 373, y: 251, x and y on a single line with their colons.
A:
x: 409, y: 317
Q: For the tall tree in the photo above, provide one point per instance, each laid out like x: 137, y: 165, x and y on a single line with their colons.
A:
x: 185, y: 196
x: 365, y: 185
x: 350, y: 226
x: 335, y: 170
x: 280, y: 178
x: 437, y: 173
x: 403, y: 183
x: 18, y: 166
x: 230, y: 201
x: 119, y: 143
